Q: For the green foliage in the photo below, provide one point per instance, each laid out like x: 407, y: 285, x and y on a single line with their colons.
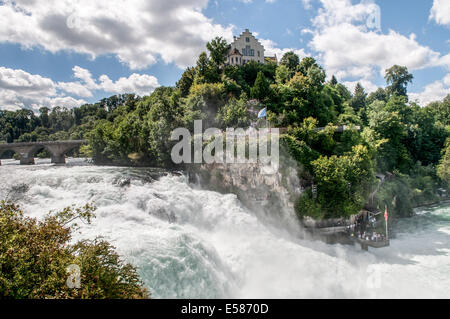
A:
x: 378, y: 95
x: 290, y: 60
x: 333, y: 81
x: 218, y: 49
x: 398, y: 78
x: 261, y: 89
x: 442, y: 110
x: 343, y: 181
x: 426, y: 135
x: 186, y: 81
x: 299, y: 151
x: 206, y: 70
x: 234, y: 114
x: 443, y: 169
x: 394, y: 135
x: 358, y: 101
x: 282, y: 74
x: 389, y: 127
x: 34, y: 256
x: 59, y: 123
x: 306, y: 65
x: 307, y: 206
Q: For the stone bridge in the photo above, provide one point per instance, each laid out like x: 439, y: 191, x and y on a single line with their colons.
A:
x: 28, y: 150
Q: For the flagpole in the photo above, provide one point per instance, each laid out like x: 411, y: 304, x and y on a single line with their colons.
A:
x: 386, y: 218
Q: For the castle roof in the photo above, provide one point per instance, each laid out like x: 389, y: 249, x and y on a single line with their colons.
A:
x: 247, y: 33
x: 235, y: 52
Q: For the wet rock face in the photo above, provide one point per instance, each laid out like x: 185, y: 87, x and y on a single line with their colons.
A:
x: 20, y: 188
x: 272, y: 192
x: 17, y: 192
x: 124, y: 182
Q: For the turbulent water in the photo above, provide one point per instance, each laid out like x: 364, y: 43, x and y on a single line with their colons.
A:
x: 193, y: 243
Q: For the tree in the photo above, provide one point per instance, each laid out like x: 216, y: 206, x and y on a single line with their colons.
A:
x: 378, y: 95
x: 186, y: 81
x: 343, y: 92
x: 218, y: 49
x: 261, y: 89
x: 388, y: 127
x: 333, y: 81
x: 442, y: 110
x: 207, y: 70
x: 35, y: 256
x: 282, y: 74
x: 358, y: 101
x: 443, y: 169
x: 202, y: 64
x: 234, y: 114
x: 343, y: 181
x: 398, y: 78
x: 290, y: 60
x: 306, y: 64
x: 426, y: 135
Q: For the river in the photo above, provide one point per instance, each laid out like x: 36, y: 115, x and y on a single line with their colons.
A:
x: 193, y: 243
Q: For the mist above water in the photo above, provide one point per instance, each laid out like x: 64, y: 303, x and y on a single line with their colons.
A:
x: 192, y: 243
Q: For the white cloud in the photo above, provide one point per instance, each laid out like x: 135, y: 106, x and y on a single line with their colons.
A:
x: 335, y: 12
x: 75, y: 88
x: 435, y: 91
x: 250, y: 1
x: 440, y: 12
x: 20, y: 89
x: 307, y: 4
x: 345, y: 47
x: 86, y: 76
x: 140, y: 84
x: 368, y: 85
x: 271, y: 49
x: 350, y: 44
x: 135, y: 83
x: 138, y: 32
x: 447, y: 80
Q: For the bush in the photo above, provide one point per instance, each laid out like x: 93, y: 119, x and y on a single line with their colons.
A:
x: 307, y: 206
x: 34, y: 256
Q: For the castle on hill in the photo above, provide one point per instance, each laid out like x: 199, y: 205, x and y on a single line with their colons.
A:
x: 246, y: 48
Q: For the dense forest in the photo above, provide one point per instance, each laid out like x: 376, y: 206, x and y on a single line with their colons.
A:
x: 408, y: 143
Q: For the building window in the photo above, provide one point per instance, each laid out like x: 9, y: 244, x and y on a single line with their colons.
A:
x: 232, y: 60
x: 248, y: 51
x: 244, y: 52
x: 247, y: 40
x: 259, y: 54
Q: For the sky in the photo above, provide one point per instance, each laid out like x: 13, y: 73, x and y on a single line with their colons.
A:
x: 68, y: 53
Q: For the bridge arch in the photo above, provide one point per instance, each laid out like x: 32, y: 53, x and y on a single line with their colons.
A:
x: 6, y: 151
x: 35, y: 150
x: 27, y: 151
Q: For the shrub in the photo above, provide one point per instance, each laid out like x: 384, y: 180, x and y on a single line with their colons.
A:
x: 307, y: 206
x: 34, y: 256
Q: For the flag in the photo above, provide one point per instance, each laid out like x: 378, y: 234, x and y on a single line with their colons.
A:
x: 262, y: 113
x: 385, y: 214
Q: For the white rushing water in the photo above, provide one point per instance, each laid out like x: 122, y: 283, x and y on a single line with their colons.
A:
x: 192, y: 243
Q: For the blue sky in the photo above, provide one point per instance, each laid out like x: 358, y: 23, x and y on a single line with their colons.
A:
x: 67, y: 53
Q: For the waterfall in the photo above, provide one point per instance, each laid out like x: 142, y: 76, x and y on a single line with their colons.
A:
x: 188, y: 242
